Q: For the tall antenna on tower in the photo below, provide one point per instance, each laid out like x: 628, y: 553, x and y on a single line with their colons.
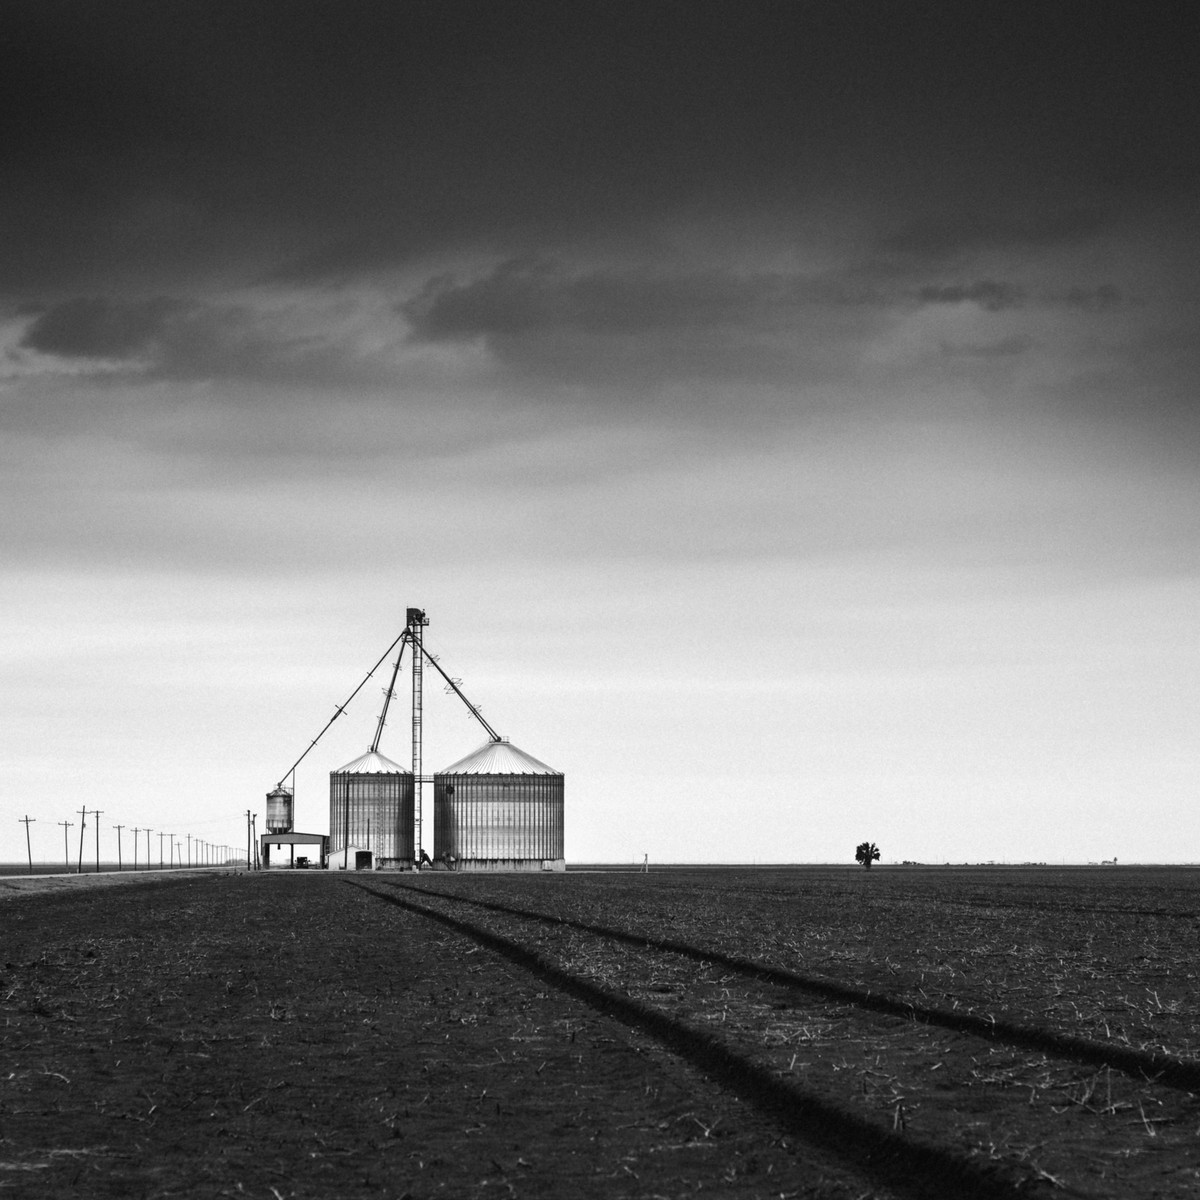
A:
x: 416, y: 621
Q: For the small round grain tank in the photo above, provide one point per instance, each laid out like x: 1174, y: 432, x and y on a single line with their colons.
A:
x: 371, y: 814
x: 279, y: 810
x: 499, y: 809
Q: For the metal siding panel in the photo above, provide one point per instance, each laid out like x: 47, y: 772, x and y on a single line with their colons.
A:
x: 381, y: 814
x: 499, y: 817
x: 279, y: 811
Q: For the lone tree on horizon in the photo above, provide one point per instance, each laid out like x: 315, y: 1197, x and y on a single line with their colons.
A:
x: 866, y: 854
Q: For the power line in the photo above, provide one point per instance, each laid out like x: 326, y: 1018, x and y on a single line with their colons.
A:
x: 341, y: 708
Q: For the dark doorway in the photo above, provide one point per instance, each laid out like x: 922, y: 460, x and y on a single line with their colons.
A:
x: 362, y: 860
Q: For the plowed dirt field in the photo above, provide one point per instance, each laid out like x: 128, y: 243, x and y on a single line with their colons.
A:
x: 728, y: 1033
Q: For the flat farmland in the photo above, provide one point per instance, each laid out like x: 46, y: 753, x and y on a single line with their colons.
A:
x: 797, y: 1032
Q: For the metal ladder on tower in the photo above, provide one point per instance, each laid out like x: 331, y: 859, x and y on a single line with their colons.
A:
x: 415, y: 622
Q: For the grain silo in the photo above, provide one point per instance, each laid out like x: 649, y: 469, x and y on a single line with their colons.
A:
x: 371, y: 814
x: 499, y: 809
x: 279, y: 810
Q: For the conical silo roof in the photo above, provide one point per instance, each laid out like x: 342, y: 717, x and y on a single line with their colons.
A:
x: 372, y: 763
x: 499, y: 758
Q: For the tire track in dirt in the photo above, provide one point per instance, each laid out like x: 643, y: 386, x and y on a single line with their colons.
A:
x: 1167, y: 1070
x: 902, y: 1163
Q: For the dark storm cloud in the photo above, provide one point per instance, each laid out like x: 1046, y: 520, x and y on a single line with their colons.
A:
x: 1009, y: 347
x: 169, y: 338
x: 93, y: 327
x: 972, y: 228
x: 545, y: 319
x: 316, y: 139
x: 527, y: 296
x: 1099, y: 299
x: 988, y: 294
x: 522, y: 297
x: 998, y: 296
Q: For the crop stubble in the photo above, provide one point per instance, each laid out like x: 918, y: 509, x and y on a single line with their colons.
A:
x: 290, y: 1035
x: 1104, y: 1105
x: 287, y: 1035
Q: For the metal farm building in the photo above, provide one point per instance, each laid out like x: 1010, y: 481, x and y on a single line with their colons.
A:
x: 499, y: 809
x: 371, y: 814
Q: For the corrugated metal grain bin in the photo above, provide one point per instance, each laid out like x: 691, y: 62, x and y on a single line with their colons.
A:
x: 279, y: 810
x: 499, y: 809
x: 371, y: 805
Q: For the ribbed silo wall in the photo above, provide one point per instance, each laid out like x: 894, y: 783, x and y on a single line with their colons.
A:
x: 279, y: 811
x: 499, y: 822
x: 381, y: 812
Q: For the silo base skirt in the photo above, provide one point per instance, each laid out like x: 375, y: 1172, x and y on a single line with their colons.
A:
x: 359, y: 860
x: 511, y: 864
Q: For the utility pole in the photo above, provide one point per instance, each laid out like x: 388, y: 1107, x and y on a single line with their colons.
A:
x: 96, y: 814
x: 136, y: 831
x: 66, y: 847
x: 189, y: 838
x: 120, y: 865
x: 171, y: 860
x: 247, y: 839
x: 82, y: 827
x: 147, y: 832
x: 27, y: 820
x: 254, y: 838
x: 160, y: 850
